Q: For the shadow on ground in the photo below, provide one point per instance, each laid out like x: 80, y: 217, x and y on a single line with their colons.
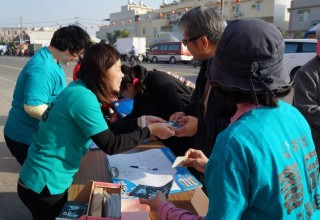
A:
x: 8, y: 164
x: 12, y: 208
x: 3, y: 120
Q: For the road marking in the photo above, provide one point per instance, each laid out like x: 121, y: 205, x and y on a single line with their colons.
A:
x: 8, y: 80
x: 69, y: 79
x: 11, y: 67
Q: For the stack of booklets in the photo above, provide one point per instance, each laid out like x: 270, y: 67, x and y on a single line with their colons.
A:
x: 72, y: 211
x: 111, y: 206
x: 151, y: 168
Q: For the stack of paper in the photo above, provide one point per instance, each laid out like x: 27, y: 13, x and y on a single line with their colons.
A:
x: 111, y: 206
x: 152, y: 168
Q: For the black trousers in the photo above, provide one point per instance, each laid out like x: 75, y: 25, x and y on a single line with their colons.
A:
x: 43, y: 206
x: 18, y: 150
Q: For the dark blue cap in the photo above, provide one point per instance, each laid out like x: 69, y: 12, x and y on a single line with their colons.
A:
x: 249, y: 59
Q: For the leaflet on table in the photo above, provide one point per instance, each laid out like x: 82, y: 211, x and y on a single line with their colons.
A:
x: 151, y: 167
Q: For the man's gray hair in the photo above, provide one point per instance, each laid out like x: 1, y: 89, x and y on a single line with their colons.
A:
x: 203, y: 21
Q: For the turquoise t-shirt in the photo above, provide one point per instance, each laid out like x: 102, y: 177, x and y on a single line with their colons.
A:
x: 62, y: 139
x: 264, y: 166
x: 40, y: 81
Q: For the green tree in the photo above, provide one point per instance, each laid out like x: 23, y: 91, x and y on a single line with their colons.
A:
x: 112, y: 37
x: 124, y: 33
x: 298, y: 34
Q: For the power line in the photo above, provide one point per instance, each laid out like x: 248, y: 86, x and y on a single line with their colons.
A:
x: 76, y: 20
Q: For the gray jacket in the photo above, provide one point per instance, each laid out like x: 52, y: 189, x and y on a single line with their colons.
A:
x: 307, y: 96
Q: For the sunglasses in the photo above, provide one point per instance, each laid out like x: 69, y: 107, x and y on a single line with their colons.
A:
x: 185, y: 42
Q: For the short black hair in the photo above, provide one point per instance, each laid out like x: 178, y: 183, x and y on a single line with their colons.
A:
x: 72, y: 38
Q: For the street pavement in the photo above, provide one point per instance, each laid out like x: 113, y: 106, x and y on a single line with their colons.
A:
x: 11, y: 208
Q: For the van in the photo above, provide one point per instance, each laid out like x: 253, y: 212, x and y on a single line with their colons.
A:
x: 298, y: 52
x: 171, y: 52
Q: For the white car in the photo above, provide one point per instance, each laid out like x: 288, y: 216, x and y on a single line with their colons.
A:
x: 298, y: 52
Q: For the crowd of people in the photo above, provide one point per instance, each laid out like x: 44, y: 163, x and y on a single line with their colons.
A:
x: 255, y: 154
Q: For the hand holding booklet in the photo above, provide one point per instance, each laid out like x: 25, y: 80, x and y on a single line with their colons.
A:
x: 149, y: 168
x: 149, y: 192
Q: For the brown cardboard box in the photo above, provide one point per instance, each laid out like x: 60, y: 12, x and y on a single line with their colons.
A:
x: 130, y: 209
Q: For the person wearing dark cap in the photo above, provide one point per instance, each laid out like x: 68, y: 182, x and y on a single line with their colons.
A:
x: 264, y: 164
x: 208, y: 113
x: 307, y: 93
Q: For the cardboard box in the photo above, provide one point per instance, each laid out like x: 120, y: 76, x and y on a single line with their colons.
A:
x: 130, y: 209
x: 200, y: 202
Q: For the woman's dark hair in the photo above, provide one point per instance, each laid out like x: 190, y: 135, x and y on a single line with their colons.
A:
x: 71, y: 38
x: 98, y: 59
x: 235, y: 97
x: 135, y: 76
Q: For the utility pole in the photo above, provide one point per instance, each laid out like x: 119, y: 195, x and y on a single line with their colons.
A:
x: 77, y: 21
x: 221, y: 7
x: 21, y: 36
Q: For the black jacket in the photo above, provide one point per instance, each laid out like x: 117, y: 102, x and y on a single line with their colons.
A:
x: 217, y: 116
x: 163, y: 96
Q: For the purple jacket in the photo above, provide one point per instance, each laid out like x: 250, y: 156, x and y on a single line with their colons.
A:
x: 168, y: 211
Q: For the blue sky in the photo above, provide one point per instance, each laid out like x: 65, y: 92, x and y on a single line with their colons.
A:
x: 54, y: 13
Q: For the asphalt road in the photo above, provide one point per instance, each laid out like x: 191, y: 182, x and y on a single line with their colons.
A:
x: 11, y: 208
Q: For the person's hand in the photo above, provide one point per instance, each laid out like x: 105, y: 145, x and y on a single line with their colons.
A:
x: 114, y: 98
x: 189, y: 126
x: 149, y: 120
x: 195, y: 159
x: 155, y: 202
x: 153, y: 119
x: 161, y: 130
x: 176, y: 116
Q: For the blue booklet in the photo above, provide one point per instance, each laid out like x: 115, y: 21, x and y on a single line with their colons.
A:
x: 151, y: 167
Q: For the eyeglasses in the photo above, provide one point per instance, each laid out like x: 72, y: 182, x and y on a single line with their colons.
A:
x: 185, y: 42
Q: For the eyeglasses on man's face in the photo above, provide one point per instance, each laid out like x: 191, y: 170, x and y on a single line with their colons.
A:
x: 185, y: 42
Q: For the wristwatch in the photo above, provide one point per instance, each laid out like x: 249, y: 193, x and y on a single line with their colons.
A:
x: 143, y: 121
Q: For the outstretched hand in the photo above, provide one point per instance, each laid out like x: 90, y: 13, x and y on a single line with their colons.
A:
x: 153, y: 119
x: 195, y: 159
x: 155, y: 202
x: 161, y: 130
x: 176, y: 116
x: 189, y: 126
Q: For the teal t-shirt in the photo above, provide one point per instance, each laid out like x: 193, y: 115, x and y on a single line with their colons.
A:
x: 264, y: 166
x: 40, y: 81
x: 62, y: 139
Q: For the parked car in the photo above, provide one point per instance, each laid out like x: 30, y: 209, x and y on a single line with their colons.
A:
x: 171, y: 52
x: 298, y: 52
x: 196, y: 63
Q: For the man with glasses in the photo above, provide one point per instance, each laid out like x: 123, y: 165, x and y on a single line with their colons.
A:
x: 39, y: 82
x: 208, y: 113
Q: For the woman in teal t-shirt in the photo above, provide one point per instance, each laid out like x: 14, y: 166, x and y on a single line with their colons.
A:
x: 67, y: 126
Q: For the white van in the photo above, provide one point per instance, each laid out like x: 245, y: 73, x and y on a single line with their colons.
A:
x: 298, y: 52
x: 171, y: 52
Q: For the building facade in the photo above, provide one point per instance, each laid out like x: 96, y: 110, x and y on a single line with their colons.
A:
x: 304, y: 14
x: 10, y: 33
x: 162, y: 24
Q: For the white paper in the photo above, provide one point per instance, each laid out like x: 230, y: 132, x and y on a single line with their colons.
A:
x: 154, y: 158
x: 178, y: 162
